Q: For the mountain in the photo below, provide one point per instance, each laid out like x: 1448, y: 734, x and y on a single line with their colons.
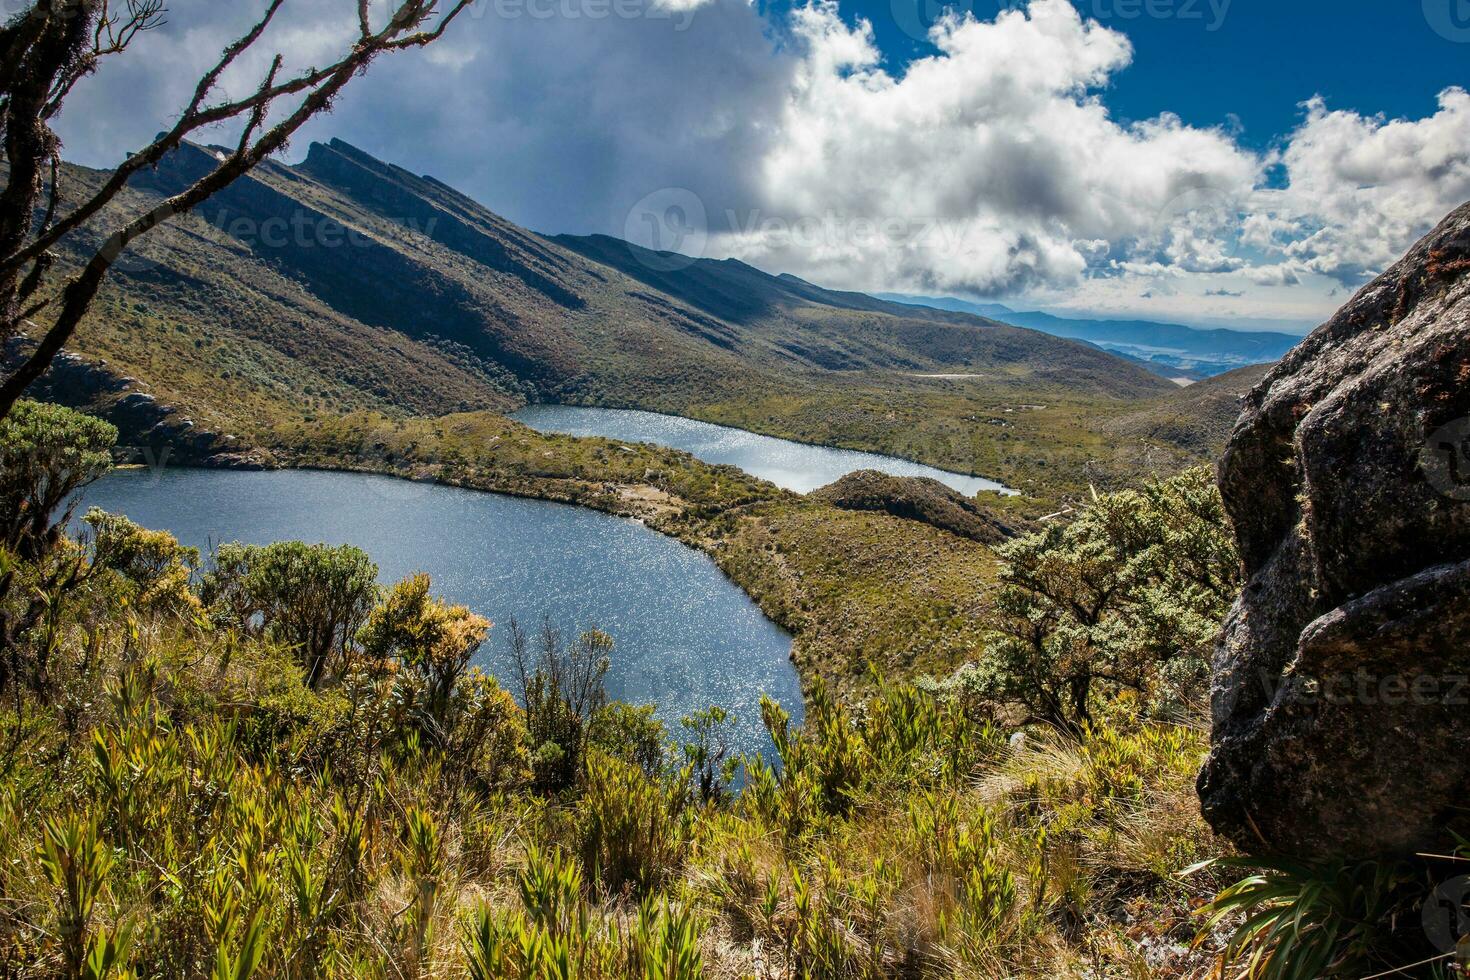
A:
x: 1197, y: 418
x: 345, y: 284
x: 1171, y: 349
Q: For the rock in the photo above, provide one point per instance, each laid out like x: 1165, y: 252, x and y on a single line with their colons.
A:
x: 916, y: 498
x: 1340, y: 705
x: 149, y: 431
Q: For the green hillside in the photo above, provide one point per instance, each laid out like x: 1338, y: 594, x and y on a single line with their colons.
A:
x: 346, y: 284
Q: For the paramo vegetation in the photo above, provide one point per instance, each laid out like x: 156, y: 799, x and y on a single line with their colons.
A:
x: 262, y: 763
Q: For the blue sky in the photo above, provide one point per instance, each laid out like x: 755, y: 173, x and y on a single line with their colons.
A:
x: 1255, y: 61
x: 1243, y: 163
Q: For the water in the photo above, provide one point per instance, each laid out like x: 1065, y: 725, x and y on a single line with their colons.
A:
x: 793, y: 465
x: 686, y: 637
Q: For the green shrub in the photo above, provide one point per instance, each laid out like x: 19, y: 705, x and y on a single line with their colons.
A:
x: 158, y: 569
x: 311, y: 598
x: 633, y: 830
x: 562, y: 688
x: 47, y: 454
x: 631, y: 733
x: 1295, y: 920
x: 433, y: 640
x: 1127, y: 597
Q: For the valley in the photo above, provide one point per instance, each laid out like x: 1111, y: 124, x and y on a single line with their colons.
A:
x: 346, y: 284
x: 409, y: 569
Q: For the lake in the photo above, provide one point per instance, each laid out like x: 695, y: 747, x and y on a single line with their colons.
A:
x: 793, y: 465
x: 686, y: 637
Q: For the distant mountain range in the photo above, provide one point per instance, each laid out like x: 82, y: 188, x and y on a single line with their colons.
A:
x: 346, y: 284
x: 1172, y: 349
x: 362, y: 285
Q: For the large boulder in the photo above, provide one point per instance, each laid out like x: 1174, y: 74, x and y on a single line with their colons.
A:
x: 1340, y: 702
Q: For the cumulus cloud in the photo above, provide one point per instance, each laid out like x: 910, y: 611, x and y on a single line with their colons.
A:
x: 991, y: 167
x: 1362, y: 188
x: 993, y: 163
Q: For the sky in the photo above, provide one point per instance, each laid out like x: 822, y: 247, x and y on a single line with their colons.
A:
x: 1245, y: 163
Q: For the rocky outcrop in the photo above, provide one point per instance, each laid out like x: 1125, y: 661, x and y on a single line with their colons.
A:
x: 917, y: 498
x: 149, y: 432
x: 1340, y: 701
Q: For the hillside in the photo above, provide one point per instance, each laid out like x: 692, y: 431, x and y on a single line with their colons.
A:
x: 1198, y: 417
x: 346, y: 284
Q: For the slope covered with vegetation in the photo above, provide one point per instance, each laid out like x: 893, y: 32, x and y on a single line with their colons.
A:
x: 260, y: 762
x: 345, y: 284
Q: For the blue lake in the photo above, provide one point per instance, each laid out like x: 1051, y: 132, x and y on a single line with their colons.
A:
x: 686, y: 637
x: 793, y: 465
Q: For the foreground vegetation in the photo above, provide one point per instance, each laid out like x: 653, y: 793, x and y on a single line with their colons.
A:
x: 263, y: 763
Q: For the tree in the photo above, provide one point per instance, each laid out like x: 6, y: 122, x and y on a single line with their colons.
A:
x: 1129, y: 596
x: 47, y: 454
x: 562, y: 688
x: 48, y: 49
x: 313, y: 598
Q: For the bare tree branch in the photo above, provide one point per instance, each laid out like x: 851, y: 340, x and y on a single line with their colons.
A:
x: 65, y: 52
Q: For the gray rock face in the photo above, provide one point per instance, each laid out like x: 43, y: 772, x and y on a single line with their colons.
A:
x: 1340, y: 701
x: 149, y: 432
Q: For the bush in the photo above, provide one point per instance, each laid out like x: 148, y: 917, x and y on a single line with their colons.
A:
x: 47, y: 454
x: 633, y: 830
x: 311, y: 598
x: 158, y: 569
x: 630, y: 733
x: 432, y: 639
x: 1129, y: 596
x: 562, y: 688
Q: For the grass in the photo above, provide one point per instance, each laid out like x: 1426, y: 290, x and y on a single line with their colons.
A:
x: 185, y: 806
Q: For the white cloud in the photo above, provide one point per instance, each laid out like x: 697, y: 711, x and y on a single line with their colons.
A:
x: 991, y: 167
x: 995, y: 151
x: 1363, y: 188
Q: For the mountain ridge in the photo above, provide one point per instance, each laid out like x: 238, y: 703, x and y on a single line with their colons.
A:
x: 1164, y: 345
x: 344, y: 284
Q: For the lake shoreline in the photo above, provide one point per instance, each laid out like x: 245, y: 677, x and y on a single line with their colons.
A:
x: 852, y: 588
x: 510, y: 559
x: 995, y: 487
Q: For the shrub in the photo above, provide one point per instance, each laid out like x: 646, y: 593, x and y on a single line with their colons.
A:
x: 432, y: 639
x: 1129, y: 596
x: 1297, y: 919
x: 631, y: 733
x: 707, y: 753
x: 632, y: 829
x: 562, y: 688
x: 158, y: 568
x: 47, y: 454
x: 312, y: 598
